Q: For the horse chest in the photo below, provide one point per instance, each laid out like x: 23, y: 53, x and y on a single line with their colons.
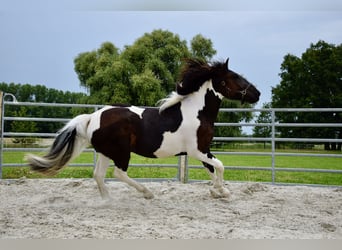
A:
x: 184, y: 139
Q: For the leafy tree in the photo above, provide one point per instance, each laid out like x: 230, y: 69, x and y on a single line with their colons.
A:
x: 263, y: 117
x: 144, y: 72
x: 160, y: 52
x: 112, y: 77
x: 38, y: 93
x: 312, y: 81
x: 227, y: 117
x: 19, y: 126
x: 148, y: 87
x: 202, y: 48
x: 101, y: 74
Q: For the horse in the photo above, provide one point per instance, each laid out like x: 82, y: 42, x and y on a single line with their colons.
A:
x: 182, y: 124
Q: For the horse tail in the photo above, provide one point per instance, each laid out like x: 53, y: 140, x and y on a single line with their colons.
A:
x: 69, y: 143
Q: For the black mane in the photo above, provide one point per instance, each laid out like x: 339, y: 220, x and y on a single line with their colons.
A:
x: 195, y: 73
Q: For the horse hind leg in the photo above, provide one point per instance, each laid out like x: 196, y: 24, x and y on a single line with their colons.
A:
x: 121, y: 161
x: 122, y: 175
x: 99, y: 174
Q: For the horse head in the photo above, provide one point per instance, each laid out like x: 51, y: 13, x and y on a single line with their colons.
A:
x: 225, y: 82
x: 232, y: 85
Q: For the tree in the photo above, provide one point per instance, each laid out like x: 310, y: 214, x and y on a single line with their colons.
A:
x: 145, y: 72
x: 19, y: 126
x: 312, y: 81
x: 112, y: 77
x: 263, y: 117
x: 148, y: 87
x: 202, y: 48
x: 160, y: 52
x: 38, y: 93
x: 102, y: 74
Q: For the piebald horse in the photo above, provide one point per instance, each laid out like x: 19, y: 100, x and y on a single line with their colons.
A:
x: 182, y: 124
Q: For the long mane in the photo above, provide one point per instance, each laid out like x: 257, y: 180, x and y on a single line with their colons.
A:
x: 194, y: 73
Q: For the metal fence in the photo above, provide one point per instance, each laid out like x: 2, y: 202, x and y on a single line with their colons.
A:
x: 183, y: 166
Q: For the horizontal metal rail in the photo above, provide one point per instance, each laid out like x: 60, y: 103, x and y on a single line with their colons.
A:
x: 336, y: 171
x: 278, y: 154
x: 92, y: 165
x: 40, y: 149
x: 44, y: 104
x: 310, y: 125
x: 22, y: 134
x: 281, y: 109
x: 262, y: 139
x: 36, y: 119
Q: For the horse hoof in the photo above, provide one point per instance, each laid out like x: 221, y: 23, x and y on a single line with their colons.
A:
x: 225, y: 193
x: 148, y: 195
x: 105, y: 196
x: 219, y: 192
x: 214, y: 193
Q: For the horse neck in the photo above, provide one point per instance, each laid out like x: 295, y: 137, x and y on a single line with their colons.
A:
x: 206, y: 100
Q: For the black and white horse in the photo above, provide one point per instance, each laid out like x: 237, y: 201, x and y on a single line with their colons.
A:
x: 183, y: 124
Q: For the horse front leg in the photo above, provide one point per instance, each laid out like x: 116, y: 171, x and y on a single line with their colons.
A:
x: 216, y: 171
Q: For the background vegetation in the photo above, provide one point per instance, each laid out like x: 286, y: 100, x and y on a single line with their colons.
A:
x: 313, y: 80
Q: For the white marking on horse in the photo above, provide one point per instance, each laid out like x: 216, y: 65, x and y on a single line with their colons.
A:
x: 94, y: 122
x: 169, y: 101
x: 185, y: 138
x: 137, y: 110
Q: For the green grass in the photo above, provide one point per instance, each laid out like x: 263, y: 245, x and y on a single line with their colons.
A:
x: 200, y: 174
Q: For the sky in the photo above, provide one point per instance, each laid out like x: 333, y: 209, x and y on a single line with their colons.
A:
x: 39, y: 39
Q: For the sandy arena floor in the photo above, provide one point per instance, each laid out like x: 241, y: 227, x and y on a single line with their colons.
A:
x: 72, y: 208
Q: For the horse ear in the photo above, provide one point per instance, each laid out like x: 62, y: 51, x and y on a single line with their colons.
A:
x: 227, y: 63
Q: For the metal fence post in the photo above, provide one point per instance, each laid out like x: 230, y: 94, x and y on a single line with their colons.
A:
x: 1, y: 128
x: 183, y: 168
x: 273, y: 145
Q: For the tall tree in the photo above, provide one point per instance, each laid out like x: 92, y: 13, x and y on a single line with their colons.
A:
x: 161, y: 52
x: 19, y: 126
x: 38, y: 93
x: 144, y: 72
x: 102, y: 74
x: 263, y: 117
x: 112, y: 77
x: 148, y: 87
x: 202, y: 48
x: 312, y: 81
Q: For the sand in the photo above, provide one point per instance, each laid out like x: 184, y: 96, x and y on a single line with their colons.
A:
x: 73, y: 209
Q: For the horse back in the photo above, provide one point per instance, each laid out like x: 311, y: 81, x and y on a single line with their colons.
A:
x: 133, y: 129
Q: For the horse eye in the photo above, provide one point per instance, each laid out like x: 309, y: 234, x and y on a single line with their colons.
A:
x: 223, y: 83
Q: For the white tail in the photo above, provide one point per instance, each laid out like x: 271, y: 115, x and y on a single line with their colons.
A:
x: 70, y: 142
